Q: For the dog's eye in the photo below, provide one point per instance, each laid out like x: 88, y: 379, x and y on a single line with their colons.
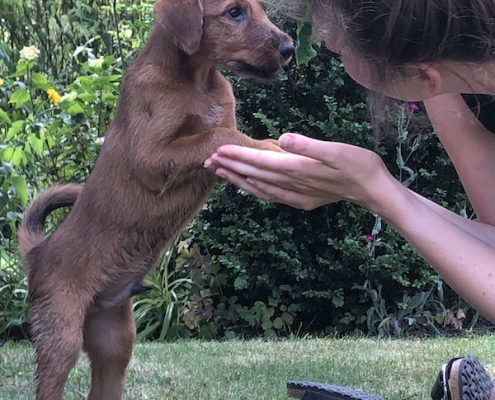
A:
x: 236, y: 13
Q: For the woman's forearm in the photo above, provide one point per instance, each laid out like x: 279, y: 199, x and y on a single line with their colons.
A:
x: 461, y: 254
x: 480, y: 230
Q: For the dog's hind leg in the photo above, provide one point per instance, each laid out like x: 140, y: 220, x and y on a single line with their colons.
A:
x: 108, y: 340
x: 57, y: 337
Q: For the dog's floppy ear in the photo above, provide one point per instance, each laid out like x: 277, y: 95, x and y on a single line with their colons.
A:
x: 183, y: 20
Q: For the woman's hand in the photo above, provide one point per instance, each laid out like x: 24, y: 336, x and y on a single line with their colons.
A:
x: 312, y: 173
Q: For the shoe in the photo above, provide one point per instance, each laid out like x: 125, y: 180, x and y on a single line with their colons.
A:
x: 322, y: 391
x: 463, y: 379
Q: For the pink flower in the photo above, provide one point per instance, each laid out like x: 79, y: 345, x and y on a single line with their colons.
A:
x: 370, y: 238
x: 413, y: 107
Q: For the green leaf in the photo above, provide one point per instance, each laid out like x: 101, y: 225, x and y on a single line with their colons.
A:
x: 89, y: 97
x: 13, y: 155
x: 21, y: 70
x: 278, y: 323
x: 19, y: 97
x: 75, y: 109
x: 287, y: 318
x: 240, y: 283
x: 416, y: 300
x: 267, y: 325
x: 5, y: 117
x: 38, y: 79
x: 4, y: 200
x: 21, y: 189
x: 14, y: 129
x: 108, y: 60
x: 230, y: 335
x: 148, y: 330
x: 36, y: 143
x: 270, y: 333
x: 100, y: 82
x: 338, y: 301
x: 108, y: 96
x: 304, y: 46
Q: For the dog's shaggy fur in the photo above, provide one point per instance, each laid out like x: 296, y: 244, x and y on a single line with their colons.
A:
x: 175, y: 110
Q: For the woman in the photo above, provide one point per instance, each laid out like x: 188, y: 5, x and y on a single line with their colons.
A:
x: 422, y: 50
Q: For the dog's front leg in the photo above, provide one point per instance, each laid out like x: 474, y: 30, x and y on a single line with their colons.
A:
x: 180, y: 157
x: 193, y: 150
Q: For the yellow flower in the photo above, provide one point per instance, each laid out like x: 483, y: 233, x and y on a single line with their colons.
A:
x: 1, y: 81
x: 54, y: 96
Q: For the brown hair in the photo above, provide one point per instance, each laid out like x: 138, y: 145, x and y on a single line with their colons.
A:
x: 390, y: 34
x: 394, y: 33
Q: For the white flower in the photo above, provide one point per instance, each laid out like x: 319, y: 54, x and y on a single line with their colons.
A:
x: 71, y: 96
x: 127, y: 33
x: 29, y: 53
x: 96, y: 63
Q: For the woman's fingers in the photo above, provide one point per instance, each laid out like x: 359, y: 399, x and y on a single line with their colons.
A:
x: 270, y: 192
x: 241, y: 182
x: 294, y: 198
x: 249, y: 168
x: 262, y: 159
x: 304, y: 146
x: 283, y: 169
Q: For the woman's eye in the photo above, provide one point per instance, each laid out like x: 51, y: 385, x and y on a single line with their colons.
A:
x: 236, y: 13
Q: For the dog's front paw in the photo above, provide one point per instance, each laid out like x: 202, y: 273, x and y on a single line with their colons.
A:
x: 272, y: 145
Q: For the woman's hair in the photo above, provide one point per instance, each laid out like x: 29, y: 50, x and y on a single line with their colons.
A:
x: 393, y: 33
x: 390, y: 34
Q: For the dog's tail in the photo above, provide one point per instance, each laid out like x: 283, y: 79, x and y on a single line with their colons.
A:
x: 31, y: 232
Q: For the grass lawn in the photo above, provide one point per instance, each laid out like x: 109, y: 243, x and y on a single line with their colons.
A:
x: 237, y: 370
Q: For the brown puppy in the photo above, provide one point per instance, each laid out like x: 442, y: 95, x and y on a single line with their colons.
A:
x: 175, y: 110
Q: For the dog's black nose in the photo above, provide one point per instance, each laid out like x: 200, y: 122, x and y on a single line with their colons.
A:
x: 287, y: 50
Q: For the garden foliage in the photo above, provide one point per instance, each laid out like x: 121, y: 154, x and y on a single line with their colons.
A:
x: 244, y: 266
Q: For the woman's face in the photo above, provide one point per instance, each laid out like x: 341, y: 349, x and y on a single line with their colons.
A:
x: 358, y: 67
x: 407, y: 86
x: 411, y: 83
x: 421, y: 81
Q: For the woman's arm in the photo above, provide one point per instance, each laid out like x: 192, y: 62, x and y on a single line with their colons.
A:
x: 480, y: 230
x: 314, y: 173
x: 465, y: 258
x: 472, y: 150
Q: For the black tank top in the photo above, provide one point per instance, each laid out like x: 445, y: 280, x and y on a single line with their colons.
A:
x: 483, y: 106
